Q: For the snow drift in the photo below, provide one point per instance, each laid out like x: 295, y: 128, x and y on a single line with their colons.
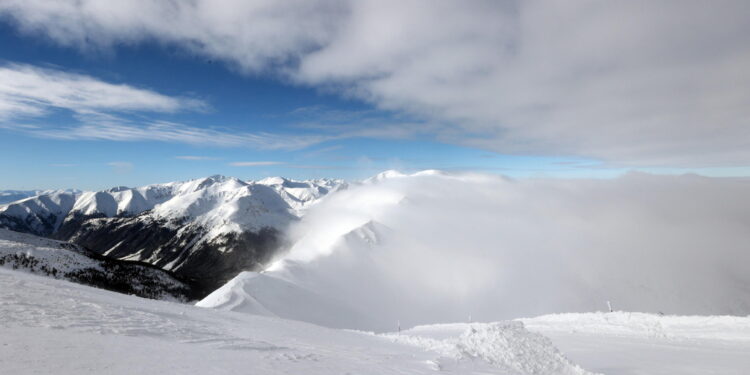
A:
x: 435, y: 247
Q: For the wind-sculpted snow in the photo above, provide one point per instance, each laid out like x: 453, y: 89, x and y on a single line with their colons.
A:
x: 50, y: 326
x: 435, y: 247
x: 258, y: 294
x: 634, y: 324
x: 507, y: 346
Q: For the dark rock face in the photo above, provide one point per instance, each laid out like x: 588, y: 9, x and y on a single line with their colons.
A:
x: 71, y: 225
x: 33, y: 224
x: 175, y: 246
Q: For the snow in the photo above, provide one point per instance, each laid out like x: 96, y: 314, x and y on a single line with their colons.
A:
x: 227, y: 205
x: 259, y: 294
x: 637, y: 343
x: 382, y: 176
x: 35, y: 211
x: 219, y: 204
x: 635, y: 324
x: 9, y: 196
x: 508, y: 346
x: 93, y: 203
x: 438, y: 247
x: 52, y: 326
x: 301, y: 195
x: 414, y: 251
x: 66, y: 261
x: 49, y: 252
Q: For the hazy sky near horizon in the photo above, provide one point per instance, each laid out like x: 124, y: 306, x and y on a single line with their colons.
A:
x: 96, y: 94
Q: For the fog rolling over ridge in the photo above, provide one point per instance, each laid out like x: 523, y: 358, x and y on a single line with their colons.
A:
x: 435, y: 247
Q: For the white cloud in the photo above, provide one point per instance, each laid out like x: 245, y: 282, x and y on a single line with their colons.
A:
x: 195, y: 158
x: 439, y: 247
x: 100, y: 110
x: 631, y: 82
x: 27, y: 90
x: 255, y: 163
x: 121, y: 167
x: 114, y: 128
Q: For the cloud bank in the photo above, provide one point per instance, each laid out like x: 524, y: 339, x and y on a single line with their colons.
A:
x: 436, y: 248
x: 632, y: 83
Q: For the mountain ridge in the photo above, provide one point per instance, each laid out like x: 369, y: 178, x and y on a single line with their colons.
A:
x: 207, y: 229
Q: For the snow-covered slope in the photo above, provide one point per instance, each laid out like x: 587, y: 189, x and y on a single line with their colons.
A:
x: 56, y: 259
x: 9, y: 196
x: 301, y: 195
x: 637, y: 343
x: 435, y: 247
x: 206, y: 229
x: 49, y: 326
x: 40, y: 215
x: 212, y: 202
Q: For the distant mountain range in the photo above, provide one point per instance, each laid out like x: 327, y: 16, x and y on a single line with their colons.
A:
x: 8, y: 196
x: 205, y: 230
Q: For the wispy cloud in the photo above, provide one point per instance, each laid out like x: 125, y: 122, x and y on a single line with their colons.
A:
x: 114, y: 128
x: 117, y: 112
x: 321, y: 167
x: 196, y: 158
x: 255, y: 163
x: 31, y: 91
x: 121, y: 167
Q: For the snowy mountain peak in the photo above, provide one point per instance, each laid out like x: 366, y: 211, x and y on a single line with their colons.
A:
x: 117, y: 189
x: 391, y: 173
x: 187, y: 199
x: 9, y: 196
x: 213, y: 227
x: 273, y: 181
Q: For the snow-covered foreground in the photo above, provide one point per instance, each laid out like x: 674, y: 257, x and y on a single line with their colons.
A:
x: 633, y: 343
x: 52, y: 326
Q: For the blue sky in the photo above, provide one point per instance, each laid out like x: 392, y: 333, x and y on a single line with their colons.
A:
x: 239, y: 103
x: 89, y: 103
